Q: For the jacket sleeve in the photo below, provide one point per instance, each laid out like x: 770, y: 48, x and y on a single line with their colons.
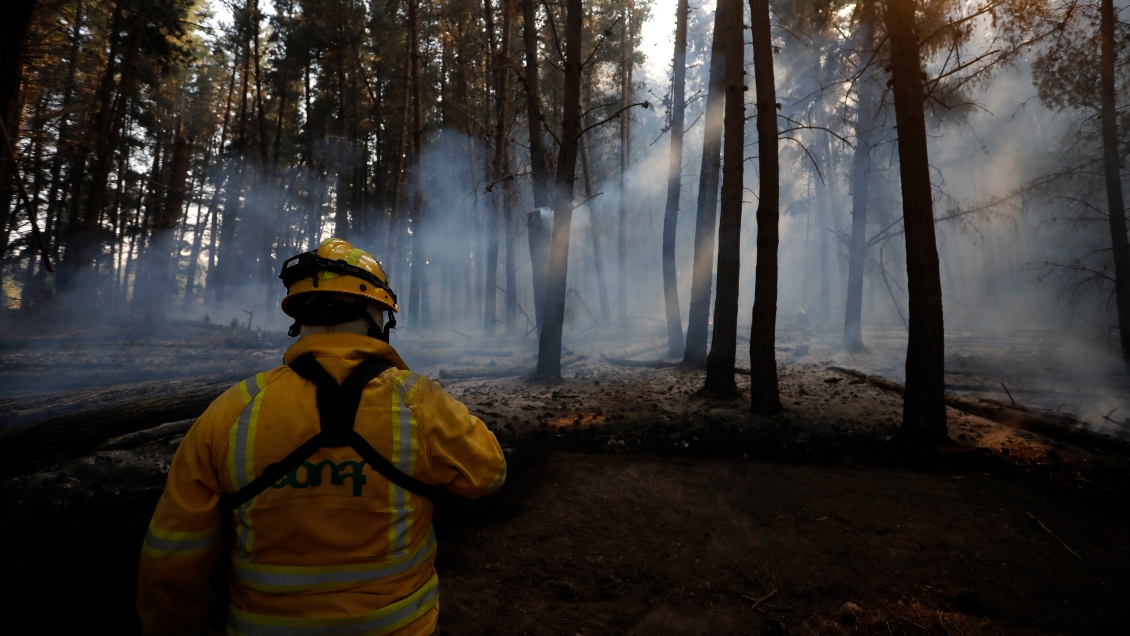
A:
x: 462, y: 454
x: 183, y: 543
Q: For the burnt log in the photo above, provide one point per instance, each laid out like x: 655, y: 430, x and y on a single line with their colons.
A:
x: 60, y: 425
x: 1060, y: 427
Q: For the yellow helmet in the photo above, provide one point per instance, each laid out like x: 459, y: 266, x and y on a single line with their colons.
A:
x: 338, y: 267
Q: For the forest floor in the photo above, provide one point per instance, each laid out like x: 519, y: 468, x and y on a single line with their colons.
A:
x: 634, y: 506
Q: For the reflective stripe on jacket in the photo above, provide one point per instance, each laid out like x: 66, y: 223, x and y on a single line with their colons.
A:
x: 332, y: 548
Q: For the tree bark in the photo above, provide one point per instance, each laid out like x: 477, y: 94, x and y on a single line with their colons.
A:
x: 594, y: 227
x: 723, y: 345
x: 490, y: 284
x: 694, y: 355
x: 107, y: 134
x: 151, y: 295
x: 549, y: 345
x: 13, y: 31
x: 502, y: 154
x: 395, y: 231
x: 418, y: 306
x: 924, y: 406
x: 537, y: 229
x: 765, y: 392
x: 675, y: 185
x: 860, y: 185
x: 1120, y: 247
x: 625, y: 160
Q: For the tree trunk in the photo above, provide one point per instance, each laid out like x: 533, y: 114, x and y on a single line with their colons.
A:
x: 924, y: 406
x: 723, y: 345
x: 860, y: 185
x: 549, y: 345
x: 13, y: 30
x: 502, y: 154
x: 536, y: 226
x: 418, y: 292
x: 490, y: 284
x: 765, y: 392
x: 694, y: 355
x: 675, y: 185
x: 107, y: 134
x: 594, y: 227
x: 395, y: 231
x: 625, y: 159
x: 151, y: 295
x: 1120, y: 247
x: 227, y: 258
x: 220, y: 178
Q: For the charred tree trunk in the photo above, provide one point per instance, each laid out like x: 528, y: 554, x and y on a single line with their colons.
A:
x: 395, y: 231
x: 502, y: 153
x: 723, y: 345
x: 224, y: 270
x: 675, y: 185
x: 694, y: 355
x: 860, y: 186
x: 924, y: 406
x: 537, y: 229
x: 765, y: 392
x: 150, y: 295
x: 625, y: 159
x: 107, y: 133
x: 549, y: 345
x: 13, y: 31
x: 64, y: 153
x: 418, y: 307
x: 490, y: 284
x: 594, y: 227
x: 1120, y: 247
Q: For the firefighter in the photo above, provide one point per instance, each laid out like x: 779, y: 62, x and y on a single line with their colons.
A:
x: 318, y: 477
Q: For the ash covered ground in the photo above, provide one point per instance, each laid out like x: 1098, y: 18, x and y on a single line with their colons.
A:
x: 635, y: 506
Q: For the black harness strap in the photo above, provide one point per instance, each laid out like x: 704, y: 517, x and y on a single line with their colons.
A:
x: 337, y: 410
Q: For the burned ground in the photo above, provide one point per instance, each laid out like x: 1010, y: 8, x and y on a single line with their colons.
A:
x: 634, y: 506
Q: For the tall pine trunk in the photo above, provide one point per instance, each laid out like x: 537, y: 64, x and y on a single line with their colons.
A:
x: 490, y: 284
x: 860, y: 184
x: 765, y: 392
x: 549, y: 345
x: 625, y: 159
x: 675, y: 185
x: 537, y: 229
x: 107, y: 133
x: 924, y: 407
x: 151, y: 292
x: 723, y: 345
x: 702, y: 272
x: 594, y: 227
x: 418, y: 305
x: 1120, y: 247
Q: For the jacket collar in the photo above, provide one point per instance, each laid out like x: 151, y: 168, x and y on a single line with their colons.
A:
x: 350, y: 346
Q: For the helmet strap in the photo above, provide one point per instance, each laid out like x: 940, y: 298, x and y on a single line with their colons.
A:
x: 383, y: 334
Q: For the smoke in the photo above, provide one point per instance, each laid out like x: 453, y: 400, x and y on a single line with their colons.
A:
x: 1020, y: 305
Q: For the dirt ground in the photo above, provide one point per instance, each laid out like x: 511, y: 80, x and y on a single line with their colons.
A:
x: 635, y: 507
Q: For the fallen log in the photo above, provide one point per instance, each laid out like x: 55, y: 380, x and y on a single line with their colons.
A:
x: 1061, y: 427
x: 640, y: 364
x: 58, y: 404
x: 484, y: 373
x: 31, y: 445
x: 133, y: 440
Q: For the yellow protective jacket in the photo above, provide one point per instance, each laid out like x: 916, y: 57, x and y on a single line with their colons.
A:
x: 333, y: 548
